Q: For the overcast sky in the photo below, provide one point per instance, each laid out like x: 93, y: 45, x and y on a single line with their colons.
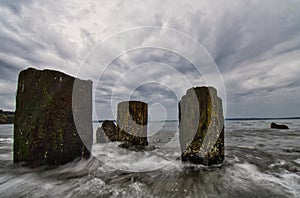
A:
x: 255, y: 45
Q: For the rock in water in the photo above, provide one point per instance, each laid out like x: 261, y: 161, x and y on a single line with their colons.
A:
x: 278, y: 126
x: 52, y: 109
x: 6, y: 117
x: 132, y: 118
x: 107, y: 132
x: 201, y: 126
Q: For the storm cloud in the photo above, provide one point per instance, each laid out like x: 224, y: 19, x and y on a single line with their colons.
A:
x: 255, y: 44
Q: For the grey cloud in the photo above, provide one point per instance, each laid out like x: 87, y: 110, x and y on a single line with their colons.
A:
x: 155, y: 93
x: 256, y: 45
x: 7, y: 71
x: 15, y: 6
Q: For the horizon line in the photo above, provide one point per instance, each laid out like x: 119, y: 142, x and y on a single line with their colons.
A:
x: 228, y: 119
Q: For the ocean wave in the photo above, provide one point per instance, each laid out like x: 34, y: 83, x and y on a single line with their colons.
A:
x: 297, y: 161
x: 118, y: 158
x: 6, y: 139
x: 291, y: 150
x: 278, y: 182
x: 247, y: 147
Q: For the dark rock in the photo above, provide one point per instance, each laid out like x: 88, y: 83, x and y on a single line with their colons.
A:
x: 107, y: 132
x: 110, y: 130
x: 201, y: 126
x: 6, y: 117
x: 132, y: 118
x: 278, y: 126
x: 53, y: 119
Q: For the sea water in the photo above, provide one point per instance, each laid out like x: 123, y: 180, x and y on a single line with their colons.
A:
x: 259, y: 162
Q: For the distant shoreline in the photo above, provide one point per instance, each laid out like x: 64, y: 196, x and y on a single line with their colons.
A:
x: 6, y: 117
x: 284, y: 118
x: 227, y: 119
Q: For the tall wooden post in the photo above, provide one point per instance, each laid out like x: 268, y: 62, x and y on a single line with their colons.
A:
x: 201, y: 126
x: 132, y: 118
x: 53, y: 121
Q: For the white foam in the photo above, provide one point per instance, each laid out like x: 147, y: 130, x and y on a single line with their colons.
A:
x: 286, y: 180
x: 6, y: 156
x: 6, y: 139
x: 297, y: 161
x: 279, y: 163
x: 118, y: 158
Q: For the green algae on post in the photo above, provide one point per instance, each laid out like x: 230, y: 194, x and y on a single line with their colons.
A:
x: 132, y: 119
x: 201, y: 126
x: 45, y: 130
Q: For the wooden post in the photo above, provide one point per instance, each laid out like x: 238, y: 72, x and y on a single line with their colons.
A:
x: 132, y: 118
x: 201, y: 126
x: 48, y: 118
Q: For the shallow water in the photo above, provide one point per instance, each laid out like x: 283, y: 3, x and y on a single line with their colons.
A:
x: 260, y: 162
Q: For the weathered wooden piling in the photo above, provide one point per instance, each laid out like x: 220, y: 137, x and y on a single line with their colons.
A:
x: 132, y: 118
x: 49, y: 115
x: 201, y: 126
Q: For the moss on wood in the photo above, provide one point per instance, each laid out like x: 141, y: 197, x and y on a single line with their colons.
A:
x: 201, y: 126
x: 45, y: 131
x: 132, y: 119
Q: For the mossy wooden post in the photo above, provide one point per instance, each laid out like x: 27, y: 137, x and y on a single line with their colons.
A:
x: 132, y: 118
x: 201, y: 126
x: 46, y: 127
